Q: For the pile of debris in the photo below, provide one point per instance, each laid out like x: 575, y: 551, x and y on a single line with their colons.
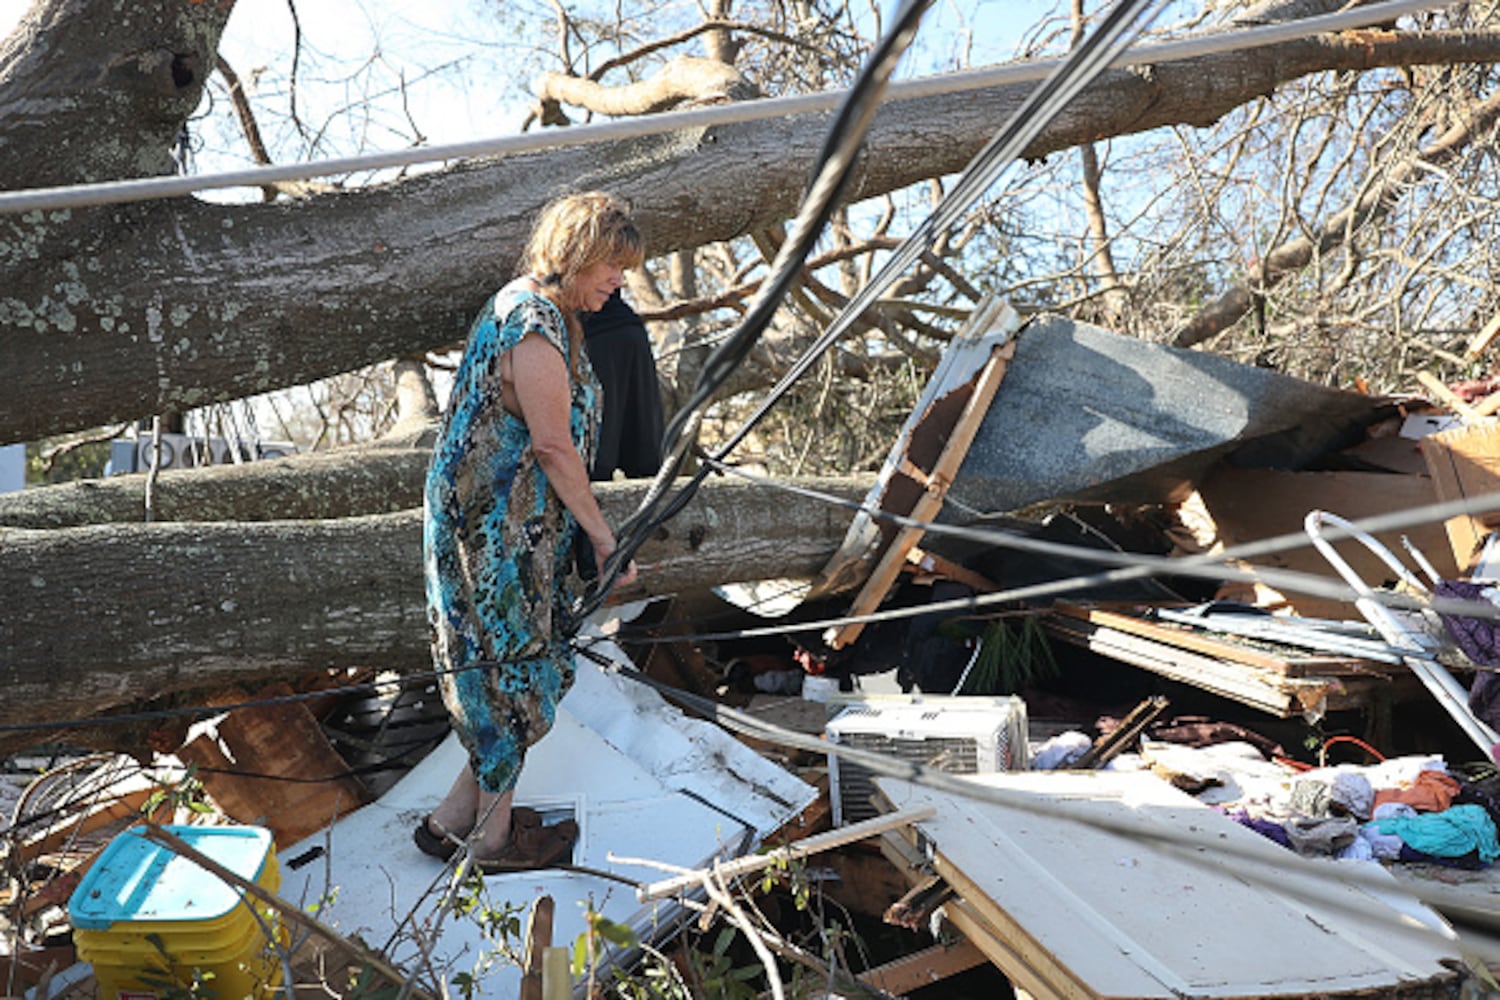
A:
x: 1139, y: 517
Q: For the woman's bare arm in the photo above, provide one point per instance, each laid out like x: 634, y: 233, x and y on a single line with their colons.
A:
x: 541, y: 383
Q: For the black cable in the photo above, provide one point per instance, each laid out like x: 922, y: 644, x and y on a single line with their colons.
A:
x: 1091, y: 57
x: 830, y: 178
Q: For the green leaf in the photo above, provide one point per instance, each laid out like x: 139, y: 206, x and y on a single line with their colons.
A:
x: 580, y: 955
x: 617, y: 934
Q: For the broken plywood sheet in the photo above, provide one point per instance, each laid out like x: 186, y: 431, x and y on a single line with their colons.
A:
x: 643, y: 781
x: 1089, y: 415
x: 1074, y: 899
x: 262, y: 765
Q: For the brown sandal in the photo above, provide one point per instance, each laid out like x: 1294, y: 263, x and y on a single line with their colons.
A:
x: 433, y: 840
x: 438, y: 845
x: 531, y: 848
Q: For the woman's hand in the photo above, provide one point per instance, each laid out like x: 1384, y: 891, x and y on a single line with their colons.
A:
x: 604, y: 547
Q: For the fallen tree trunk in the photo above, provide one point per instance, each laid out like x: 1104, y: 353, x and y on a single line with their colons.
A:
x: 191, y: 606
x: 343, y: 280
x: 343, y: 482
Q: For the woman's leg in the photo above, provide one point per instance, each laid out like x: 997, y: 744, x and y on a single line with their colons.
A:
x: 456, y: 813
x: 493, y: 830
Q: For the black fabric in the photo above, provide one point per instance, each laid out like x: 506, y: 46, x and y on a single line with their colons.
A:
x: 632, y: 426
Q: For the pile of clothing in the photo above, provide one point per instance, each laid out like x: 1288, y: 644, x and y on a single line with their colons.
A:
x: 1410, y: 809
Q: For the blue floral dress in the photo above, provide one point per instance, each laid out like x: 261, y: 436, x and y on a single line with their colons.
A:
x: 498, y: 547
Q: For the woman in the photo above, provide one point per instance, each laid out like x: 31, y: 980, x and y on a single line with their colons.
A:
x: 506, y: 494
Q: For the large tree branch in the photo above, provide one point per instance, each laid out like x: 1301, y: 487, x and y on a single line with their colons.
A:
x: 1376, y: 203
x: 681, y: 80
x: 94, y: 91
x: 354, y: 481
x: 167, y: 306
x: 191, y: 606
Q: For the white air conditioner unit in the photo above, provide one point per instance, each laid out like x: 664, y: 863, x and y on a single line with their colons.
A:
x: 176, y: 452
x: 181, y: 451
x: 958, y: 734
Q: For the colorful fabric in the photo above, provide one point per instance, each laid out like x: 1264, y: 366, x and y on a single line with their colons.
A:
x: 498, y: 547
x: 1452, y: 833
x: 1429, y: 791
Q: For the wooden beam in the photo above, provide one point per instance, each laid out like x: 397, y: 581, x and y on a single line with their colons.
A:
x: 930, y: 563
x: 923, y: 968
x: 1483, y: 339
x: 1449, y: 398
x: 935, y: 488
x: 800, y: 849
x: 1027, y: 967
x: 538, y: 940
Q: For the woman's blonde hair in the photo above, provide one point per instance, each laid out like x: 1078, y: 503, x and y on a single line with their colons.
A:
x: 573, y: 233
x: 576, y: 231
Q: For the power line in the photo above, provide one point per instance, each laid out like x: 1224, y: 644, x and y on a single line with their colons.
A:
x: 1083, y: 64
x: 151, y: 188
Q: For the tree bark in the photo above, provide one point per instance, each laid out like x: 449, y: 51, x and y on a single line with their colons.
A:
x: 352, y: 481
x: 94, y: 90
x: 123, y: 312
x: 109, y: 615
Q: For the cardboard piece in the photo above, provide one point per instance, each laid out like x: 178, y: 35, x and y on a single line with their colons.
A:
x: 1464, y: 464
x: 1250, y: 505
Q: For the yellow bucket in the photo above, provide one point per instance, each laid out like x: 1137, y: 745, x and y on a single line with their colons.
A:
x: 152, y: 922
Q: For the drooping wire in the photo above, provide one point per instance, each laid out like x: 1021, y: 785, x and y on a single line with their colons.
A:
x: 840, y: 146
x: 1119, y: 27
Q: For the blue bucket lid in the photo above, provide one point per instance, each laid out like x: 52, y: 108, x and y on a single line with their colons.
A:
x: 134, y: 879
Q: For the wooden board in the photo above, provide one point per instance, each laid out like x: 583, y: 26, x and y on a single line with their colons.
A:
x: 1072, y: 888
x: 262, y: 765
x: 923, y: 968
x: 1287, y: 664
x: 934, y: 483
x: 1266, y: 690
